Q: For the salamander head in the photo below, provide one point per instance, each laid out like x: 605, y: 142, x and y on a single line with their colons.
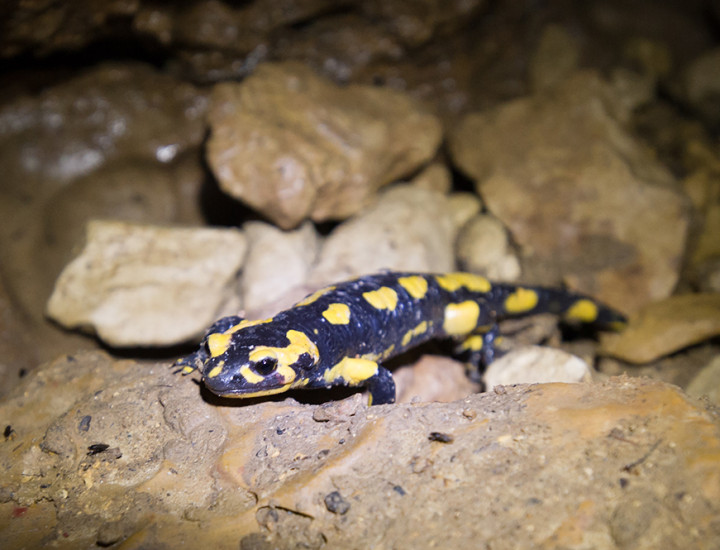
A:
x: 258, y: 360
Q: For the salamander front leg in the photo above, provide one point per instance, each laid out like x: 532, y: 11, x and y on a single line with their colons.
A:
x: 355, y: 371
x: 195, y: 360
x: 381, y: 387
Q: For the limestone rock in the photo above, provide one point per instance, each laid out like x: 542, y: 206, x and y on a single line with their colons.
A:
x: 140, y: 285
x: 665, y: 327
x: 534, y: 365
x: 578, y: 193
x: 483, y: 248
x: 408, y: 228
x: 556, y: 465
x: 295, y: 146
x: 702, y: 85
x: 277, y: 262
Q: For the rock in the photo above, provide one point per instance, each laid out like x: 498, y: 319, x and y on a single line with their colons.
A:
x: 572, y: 453
x: 407, y: 229
x: 483, y: 248
x: 666, y: 327
x: 555, y: 58
x: 277, y: 262
x: 294, y: 146
x: 702, y: 85
x: 433, y: 378
x: 126, y: 130
x: 580, y: 196
x: 435, y: 177
x: 108, y: 113
x: 708, y: 277
x: 463, y: 206
x: 133, y: 193
x: 707, y: 382
x: 18, y: 352
x: 536, y: 365
x: 138, y: 285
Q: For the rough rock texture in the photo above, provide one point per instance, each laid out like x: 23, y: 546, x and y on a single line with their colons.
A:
x: 408, y: 228
x: 559, y: 170
x: 665, y: 327
x: 277, y: 262
x: 106, y: 452
x: 295, y: 146
x: 139, y: 285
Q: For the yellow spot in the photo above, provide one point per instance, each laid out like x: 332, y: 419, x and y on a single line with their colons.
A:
x: 218, y: 343
x: 410, y: 334
x: 187, y: 369
x: 461, y: 318
x: 452, y: 281
x: 382, y: 298
x: 473, y: 343
x: 415, y: 285
x: 379, y: 355
x: 251, y: 376
x: 314, y: 296
x: 215, y: 371
x: 352, y: 370
x: 299, y: 343
x: 523, y: 299
x: 337, y: 314
x: 583, y: 310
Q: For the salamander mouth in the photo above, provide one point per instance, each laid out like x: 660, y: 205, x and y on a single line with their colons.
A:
x: 249, y: 392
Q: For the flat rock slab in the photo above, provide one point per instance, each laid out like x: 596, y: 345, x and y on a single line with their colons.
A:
x: 666, y: 327
x: 139, y: 285
x: 103, y: 452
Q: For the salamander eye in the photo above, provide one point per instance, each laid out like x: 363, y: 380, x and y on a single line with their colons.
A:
x: 266, y: 366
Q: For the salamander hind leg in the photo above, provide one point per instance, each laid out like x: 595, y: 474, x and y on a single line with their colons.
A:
x: 478, y: 350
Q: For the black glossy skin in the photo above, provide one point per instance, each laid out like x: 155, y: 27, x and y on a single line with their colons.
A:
x: 371, y: 333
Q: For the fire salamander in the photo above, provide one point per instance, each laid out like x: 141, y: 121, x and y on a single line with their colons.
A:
x: 342, y: 333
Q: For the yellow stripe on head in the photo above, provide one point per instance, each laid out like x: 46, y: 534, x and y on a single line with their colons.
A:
x: 218, y: 343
